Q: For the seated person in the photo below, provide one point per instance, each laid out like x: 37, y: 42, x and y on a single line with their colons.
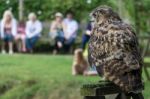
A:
x: 86, y: 36
x: 80, y: 65
x: 8, y: 31
x: 56, y: 32
x: 33, y: 31
x: 20, y: 37
x: 70, y: 31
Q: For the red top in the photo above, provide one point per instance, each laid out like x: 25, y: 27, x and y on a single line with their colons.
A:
x: 21, y: 28
x: 7, y: 30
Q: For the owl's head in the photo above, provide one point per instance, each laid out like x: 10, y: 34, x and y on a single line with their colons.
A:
x: 104, y: 13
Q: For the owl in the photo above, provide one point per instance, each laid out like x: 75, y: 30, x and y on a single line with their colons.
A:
x: 113, y: 50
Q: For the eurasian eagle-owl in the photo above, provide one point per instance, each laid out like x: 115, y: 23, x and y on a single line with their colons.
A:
x: 113, y: 50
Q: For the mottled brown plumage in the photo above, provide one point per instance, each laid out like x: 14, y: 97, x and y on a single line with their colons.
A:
x: 113, y: 49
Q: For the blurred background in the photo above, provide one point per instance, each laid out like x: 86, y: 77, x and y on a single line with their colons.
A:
x: 134, y: 12
x: 43, y: 41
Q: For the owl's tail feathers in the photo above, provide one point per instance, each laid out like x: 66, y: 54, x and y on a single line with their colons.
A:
x: 127, y: 83
x: 115, y: 80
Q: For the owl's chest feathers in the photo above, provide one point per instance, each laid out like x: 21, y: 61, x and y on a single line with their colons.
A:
x: 105, y: 39
x: 105, y: 45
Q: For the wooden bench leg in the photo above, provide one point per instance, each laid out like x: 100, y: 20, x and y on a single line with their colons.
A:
x: 123, y: 96
x: 94, y: 97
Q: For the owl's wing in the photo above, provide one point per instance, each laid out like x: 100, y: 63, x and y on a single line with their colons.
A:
x: 121, y: 51
x: 126, y: 55
x: 125, y: 67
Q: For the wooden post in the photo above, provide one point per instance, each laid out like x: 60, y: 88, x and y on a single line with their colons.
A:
x: 21, y: 9
x: 146, y: 65
x: 121, y: 8
x: 137, y: 19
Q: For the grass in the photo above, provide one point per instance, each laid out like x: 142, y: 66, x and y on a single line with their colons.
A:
x: 42, y: 77
x: 39, y: 77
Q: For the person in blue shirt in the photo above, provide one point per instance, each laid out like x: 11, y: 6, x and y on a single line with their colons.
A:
x: 86, y: 35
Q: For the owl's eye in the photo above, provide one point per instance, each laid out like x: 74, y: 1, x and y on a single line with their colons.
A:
x: 94, y: 15
x: 101, y: 12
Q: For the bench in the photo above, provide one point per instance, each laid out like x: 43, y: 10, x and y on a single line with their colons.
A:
x: 45, y: 44
x: 101, y: 89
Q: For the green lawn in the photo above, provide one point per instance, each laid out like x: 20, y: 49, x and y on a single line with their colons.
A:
x: 42, y: 77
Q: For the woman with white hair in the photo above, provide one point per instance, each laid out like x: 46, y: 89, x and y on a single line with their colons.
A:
x: 56, y: 32
x: 33, y: 31
x: 8, y: 31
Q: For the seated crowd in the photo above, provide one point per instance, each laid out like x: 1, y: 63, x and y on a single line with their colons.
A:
x: 63, y: 31
x: 26, y: 34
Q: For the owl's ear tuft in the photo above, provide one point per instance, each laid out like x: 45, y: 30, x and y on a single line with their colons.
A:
x: 101, y: 9
x: 105, y: 11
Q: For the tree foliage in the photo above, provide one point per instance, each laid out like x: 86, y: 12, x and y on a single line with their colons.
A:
x: 136, y: 12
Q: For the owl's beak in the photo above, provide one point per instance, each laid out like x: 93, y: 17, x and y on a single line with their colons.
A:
x: 92, y: 19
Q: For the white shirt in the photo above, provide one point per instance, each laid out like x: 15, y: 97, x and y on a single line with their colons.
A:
x: 71, y: 28
x: 33, y: 28
x: 13, y: 28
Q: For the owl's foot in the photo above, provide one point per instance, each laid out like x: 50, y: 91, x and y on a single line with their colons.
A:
x: 104, y: 80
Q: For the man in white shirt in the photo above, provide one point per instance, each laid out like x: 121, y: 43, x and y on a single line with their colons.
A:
x: 70, y: 30
x: 33, y: 31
